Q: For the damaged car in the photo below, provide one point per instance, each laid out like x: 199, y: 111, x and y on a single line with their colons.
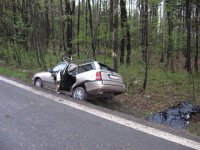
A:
x: 87, y: 79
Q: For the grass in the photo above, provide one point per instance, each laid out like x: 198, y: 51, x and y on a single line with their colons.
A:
x: 15, y: 72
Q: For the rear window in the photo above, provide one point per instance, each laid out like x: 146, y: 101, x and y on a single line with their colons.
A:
x: 85, y: 68
x: 106, y: 68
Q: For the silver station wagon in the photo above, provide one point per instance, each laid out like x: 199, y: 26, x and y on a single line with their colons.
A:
x: 90, y: 78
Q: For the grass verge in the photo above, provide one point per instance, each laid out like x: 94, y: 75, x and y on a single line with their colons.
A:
x: 15, y: 72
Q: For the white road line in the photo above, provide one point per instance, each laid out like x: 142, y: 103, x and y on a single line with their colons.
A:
x: 149, y: 130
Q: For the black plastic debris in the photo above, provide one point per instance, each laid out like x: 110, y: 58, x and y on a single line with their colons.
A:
x: 176, y: 116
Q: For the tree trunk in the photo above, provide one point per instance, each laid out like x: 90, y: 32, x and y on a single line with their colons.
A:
x: 62, y: 28
x: 78, y: 28
x: 15, y: 36
x: 86, y: 22
x: 52, y: 27
x: 26, y: 21
x: 47, y: 22
x: 197, y: 39
x: 161, y: 33
x: 111, y: 16
x: 123, y: 22
x: 114, y: 35
x: 188, y: 24
x: 179, y: 45
x: 92, y: 31
x: 146, y: 52
x: 170, y: 58
x: 128, y: 35
x: 170, y: 49
x: 125, y: 28
x: 69, y: 12
x: 142, y: 22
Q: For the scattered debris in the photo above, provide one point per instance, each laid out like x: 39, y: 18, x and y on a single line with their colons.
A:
x: 176, y: 116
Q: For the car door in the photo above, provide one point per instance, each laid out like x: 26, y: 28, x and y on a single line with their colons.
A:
x: 85, y: 73
x: 50, y: 77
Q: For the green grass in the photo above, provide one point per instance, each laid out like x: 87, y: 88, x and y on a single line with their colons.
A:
x: 14, y: 72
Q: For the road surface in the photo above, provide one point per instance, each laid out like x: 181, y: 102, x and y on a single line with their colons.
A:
x: 32, y: 122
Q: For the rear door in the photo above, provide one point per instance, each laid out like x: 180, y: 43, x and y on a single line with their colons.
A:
x: 86, y: 72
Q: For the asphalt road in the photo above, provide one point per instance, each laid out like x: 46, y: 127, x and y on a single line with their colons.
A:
x: 32, y: 122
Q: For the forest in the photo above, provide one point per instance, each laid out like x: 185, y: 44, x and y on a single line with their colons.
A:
x: 154, y: 44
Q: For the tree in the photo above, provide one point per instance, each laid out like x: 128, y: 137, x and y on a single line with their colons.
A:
x: 70, y: 11
x: 111, y: 15
x: 197, y: 38
x: 62, y: 28
x: 146, y: 44
x: 92, y: 31
x: 123, y: 21
x: 142, y: 18
x: 125, y: 28
x: 114, y: 34
x: 170, y: 49
x: 47, y: 22
x: 188, y: 24
x: 52, y: 26
x: 78, y: 28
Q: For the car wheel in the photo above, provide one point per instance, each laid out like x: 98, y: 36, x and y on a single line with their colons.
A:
x: 80, y: 93
x: 38, y: 82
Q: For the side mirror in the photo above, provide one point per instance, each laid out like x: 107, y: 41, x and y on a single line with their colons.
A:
x: 50, y: 70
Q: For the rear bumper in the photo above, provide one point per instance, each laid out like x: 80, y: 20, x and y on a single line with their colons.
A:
x: 98, y: 88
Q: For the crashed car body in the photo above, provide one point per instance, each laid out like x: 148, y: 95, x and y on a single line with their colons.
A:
x: 87, y: 79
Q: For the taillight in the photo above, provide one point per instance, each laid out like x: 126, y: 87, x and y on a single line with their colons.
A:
x: 98, y: 76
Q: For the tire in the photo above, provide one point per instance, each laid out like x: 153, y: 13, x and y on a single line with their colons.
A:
x: 38, y: 83
x: 79, y: 93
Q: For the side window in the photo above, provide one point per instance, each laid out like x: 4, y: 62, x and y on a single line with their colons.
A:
x: 59, y: 67
x: 84, y: 68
